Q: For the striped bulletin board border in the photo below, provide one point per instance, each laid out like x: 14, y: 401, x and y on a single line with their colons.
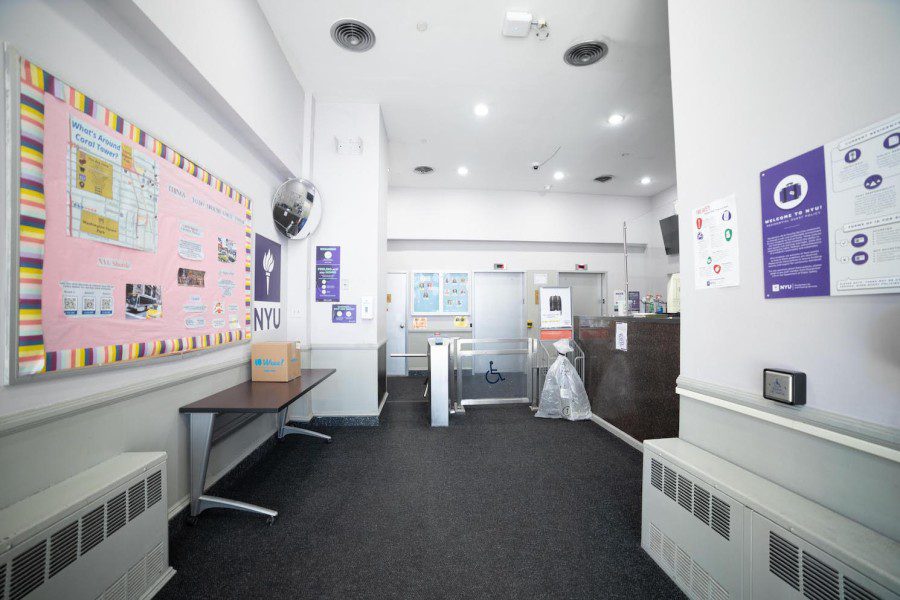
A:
x: 32, y: 357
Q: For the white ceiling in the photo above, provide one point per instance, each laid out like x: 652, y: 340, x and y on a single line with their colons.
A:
x: 428, y: 82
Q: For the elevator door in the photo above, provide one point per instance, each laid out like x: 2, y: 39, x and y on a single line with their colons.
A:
x: 587, y: 293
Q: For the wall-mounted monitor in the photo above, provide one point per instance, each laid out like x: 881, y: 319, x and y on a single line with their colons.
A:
x: 669, y: 227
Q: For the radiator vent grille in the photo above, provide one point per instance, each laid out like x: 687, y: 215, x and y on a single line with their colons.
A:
x: 685, y: 493
x: 683, y: 568
x: 820, y: 582
x: 721, y: 517
x: 118, y: 590
x: 808, y: 574
x: 854, y: 591
x: 91, y: 529
x: 63, y: 548
x: 784, y: 560
x: 115, y: 514
x: 709, y: 508
x: 22, y: 574
x: 701, y: 504
x: 656, y: 474
x: 27, y: 573
x: 670, y: 484
x: 154, y: 488
x: 136, y: 500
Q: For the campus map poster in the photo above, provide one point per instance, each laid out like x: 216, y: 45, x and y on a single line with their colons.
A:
x: 127, y: 250
x: 831, y: 217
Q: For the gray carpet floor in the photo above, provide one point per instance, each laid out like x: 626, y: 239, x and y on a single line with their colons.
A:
x: 498, y: 505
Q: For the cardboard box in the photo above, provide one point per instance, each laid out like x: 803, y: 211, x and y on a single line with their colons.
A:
x: 275, y: 361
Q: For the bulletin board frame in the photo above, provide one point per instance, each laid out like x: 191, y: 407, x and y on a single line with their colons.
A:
x: 440, y: 281
x: 25, y: 228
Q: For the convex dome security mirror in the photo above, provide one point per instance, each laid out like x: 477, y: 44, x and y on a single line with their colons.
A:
x: 296, y: 208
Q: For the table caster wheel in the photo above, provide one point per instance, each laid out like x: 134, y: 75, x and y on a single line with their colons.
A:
x: 191, y: 520
x: 270, y: 520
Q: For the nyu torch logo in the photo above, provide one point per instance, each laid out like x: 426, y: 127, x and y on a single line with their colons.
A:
x: 268, y: 267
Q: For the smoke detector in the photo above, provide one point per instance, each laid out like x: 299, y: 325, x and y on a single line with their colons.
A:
x: 585, y: 53
x: 423, y: 169
x: 353, y: 35
x: 603, y: 178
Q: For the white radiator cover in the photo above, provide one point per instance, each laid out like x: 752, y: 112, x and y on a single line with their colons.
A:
x: 722, y: 533
x: 102, y: 534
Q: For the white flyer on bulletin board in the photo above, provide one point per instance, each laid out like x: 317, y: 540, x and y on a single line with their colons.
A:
x: 715, y: 232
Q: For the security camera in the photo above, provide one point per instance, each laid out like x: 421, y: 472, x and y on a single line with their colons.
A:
x: 535, y: 166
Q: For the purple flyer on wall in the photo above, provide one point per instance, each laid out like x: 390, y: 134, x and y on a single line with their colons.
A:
x: 328, y: 283
x: 328, y: 255
x: 795, y: 227
x: 634, y: 301
x: 343, y: 313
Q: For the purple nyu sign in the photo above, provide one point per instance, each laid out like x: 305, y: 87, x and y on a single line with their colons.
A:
x: 795, y: 227
x: 266, y: 284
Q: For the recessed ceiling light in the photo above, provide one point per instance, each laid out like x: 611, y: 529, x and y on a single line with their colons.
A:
x: 558, y: 175
x: 463, y: 171
x: 615, y: 119
x: 481, y: 110
x: 423, y: 170
x: 645, y: 180
x: 422, y: 25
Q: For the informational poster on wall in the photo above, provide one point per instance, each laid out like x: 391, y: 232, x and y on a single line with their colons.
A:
x: 127, y: 250
x: 716, y: 256
x: 426, y: 293
x: 455, y: 293
x: 556, y: 307
x: 831, y: 217
x: 328, y: 273
x: 267, y: 285
x: 343, y: 313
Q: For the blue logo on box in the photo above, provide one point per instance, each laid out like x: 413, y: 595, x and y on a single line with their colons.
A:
x: 268, y: 362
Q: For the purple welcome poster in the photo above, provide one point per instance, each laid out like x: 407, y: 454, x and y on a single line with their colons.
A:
x: 328, y: 273
x: 795, y: 227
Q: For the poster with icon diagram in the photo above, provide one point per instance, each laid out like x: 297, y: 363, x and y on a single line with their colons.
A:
x: 714, y: 228
x: 455, y: 293
x: 831, y: 217
x: 426, y: 293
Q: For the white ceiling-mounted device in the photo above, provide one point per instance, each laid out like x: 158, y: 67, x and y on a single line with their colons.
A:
x: 521, y: 23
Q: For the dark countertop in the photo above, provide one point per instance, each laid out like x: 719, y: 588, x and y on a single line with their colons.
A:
x: 633, y: 390
x: 259, y: 396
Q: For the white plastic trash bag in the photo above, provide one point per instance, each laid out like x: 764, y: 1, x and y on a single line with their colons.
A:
x: 563, y: 396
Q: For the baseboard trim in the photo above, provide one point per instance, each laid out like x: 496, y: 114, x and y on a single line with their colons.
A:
x: 617, y: 432
x: 832, y: 435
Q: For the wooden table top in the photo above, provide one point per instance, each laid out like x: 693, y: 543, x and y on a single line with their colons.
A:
x: 259, y: 396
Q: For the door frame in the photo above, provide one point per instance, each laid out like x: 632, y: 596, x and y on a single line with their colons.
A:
x: 406, y: 314
x: 604, y: 284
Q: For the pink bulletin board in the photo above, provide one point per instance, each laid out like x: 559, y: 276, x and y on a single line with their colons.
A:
x: 126, y: 249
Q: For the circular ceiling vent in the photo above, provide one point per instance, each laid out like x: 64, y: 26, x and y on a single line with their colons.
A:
x: 585, y: 53
x: 603, y: 178
x: 353, y: 35
x: 423, y: 170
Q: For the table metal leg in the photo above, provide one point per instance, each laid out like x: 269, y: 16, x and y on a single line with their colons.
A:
x: 201, y: 429
x: 285, y: 429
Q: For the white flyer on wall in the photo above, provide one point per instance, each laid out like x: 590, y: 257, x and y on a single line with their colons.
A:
x: 622, y: 336
x: 715, y: 232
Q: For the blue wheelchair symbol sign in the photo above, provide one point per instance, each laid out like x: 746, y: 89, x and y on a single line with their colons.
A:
x: 493, y: 376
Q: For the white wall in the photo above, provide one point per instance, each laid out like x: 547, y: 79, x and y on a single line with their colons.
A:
x: 764, y: 95
x: 473, y: 229
x: 756, y: 83
x: 353, y: 210
x: 232, y: 46
x: 112, y: 64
